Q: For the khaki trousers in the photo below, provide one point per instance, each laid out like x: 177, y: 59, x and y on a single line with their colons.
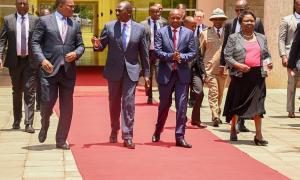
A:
x: 216, y: 85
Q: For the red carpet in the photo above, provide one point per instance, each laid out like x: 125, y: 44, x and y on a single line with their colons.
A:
x: 210, y: 157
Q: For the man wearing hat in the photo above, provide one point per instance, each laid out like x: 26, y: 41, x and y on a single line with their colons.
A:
x: 211, y: 41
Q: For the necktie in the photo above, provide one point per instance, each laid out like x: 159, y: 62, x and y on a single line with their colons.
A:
x: 64, y: 29
x: 124, y: 36
x: 23, y: 37
x: 198, y: 30
x: 218, y: 33
x: 175, y: 47
x: 154, y: 28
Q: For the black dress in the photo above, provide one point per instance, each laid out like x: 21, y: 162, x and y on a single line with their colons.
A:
x: 246, y: 95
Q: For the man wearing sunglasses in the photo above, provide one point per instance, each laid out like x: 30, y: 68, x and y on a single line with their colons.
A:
x: 233, y: 26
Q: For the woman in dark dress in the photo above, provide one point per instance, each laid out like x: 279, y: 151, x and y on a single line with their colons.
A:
x: 248, y: 59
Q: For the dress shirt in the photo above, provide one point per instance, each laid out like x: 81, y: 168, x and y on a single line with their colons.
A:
x: 238, y: 26
x: 297, y: 17
x: 220, y: 30
x: 128, y: 30
x: 60, y: 22
x: 19, y: 21
x: 152, y: 32
x: 177, y: 35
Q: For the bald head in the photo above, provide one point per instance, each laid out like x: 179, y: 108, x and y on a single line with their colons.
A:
x: 240, y: 6
x: 190, y: 23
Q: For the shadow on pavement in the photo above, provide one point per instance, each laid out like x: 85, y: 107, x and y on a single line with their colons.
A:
x: 40, y: 147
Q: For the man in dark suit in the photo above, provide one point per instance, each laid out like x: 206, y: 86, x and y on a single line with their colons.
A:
x: 152, y: 24
x: 233, y: 26
x: 174, y: 47
x: 126, y: 41
x: 198, y: 75
x: 56, y: 45
x: 16, y: 34
x: 198, y: 18
x: 161, y: 9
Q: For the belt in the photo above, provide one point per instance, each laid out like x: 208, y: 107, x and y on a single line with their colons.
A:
x: 23, y: 57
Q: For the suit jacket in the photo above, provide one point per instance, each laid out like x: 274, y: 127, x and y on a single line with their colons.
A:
x: 230, y: 26
x: 164, y: 51
x: 147, y: 25
x: 197, y: 65
x: 235, y: 51
x: 294, y: 55
x: 118, y: 58
x: 211, y: 46
x: 47, y: 44
x: 8, y: 37
x: 287, y: 29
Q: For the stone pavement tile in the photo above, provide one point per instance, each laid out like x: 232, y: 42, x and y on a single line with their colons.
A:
x: 15, y: 172
x: 73, y: 178
x: 38, y: 163
x: 42, y: 178
x: 72, y: 174
x: 11, y: 164
x: 44, y: 174
x: 44, y: 168
x: 54, y: 156
x: 12, y: 157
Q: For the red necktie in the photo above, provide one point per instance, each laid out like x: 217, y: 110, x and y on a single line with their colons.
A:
x: 175, y: 47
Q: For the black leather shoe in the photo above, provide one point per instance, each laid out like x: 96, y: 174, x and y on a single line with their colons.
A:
x: 113, y: 138
x: 64, y: 146
x: 29, y: 128
x: 155, y: 138
x: 198, y: 124
x: 243, y: 128
x: 43, y: 134
x: 183, y: 143
x: 149, y: 101
x: 129, y: 144
x: 261, y: 142
x: 233, y: 136
x: 16, y: 126
x: 215, y: 122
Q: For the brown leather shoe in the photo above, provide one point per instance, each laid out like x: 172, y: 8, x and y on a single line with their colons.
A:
x: 215, y: 122
x: 291, y: 115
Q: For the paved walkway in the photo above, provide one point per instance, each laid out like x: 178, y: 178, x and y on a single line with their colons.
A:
x: 23, y: 157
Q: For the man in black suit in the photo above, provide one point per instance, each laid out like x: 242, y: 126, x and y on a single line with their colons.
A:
x: 294, y: 56
x: 233, y: 26
x: 16, y: 35
x: 56, y: 45
x: 152, y: 24
x: 198, y: 18
x: 198, y: 75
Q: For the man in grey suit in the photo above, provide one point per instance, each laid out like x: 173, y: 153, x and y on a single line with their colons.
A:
x: 126, y: 41
x: 152, y: 24
x: 233, y: 26
x: 56, y: 45
x: 16, y: 34
x: 287, y: 30
x: 175, y: 48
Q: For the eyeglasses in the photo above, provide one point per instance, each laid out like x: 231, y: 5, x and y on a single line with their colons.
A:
x: 22, y: 3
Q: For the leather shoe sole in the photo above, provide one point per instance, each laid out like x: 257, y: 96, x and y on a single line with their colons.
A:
x: 183, y: 143
x: 16, y: 126
x: 42, y: 135
x: 199, y: 125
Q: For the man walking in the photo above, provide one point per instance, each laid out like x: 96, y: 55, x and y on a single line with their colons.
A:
x: 16, y: 35
x: 287, y: 30
x: 56, y: 45
x: 126, y: 41
x: 152, y: 24
x: 174, y: 47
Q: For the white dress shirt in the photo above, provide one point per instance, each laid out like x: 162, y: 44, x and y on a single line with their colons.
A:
x: 238, y: 26
x: 177, y: 35
x: 220, y: 30
x: 152, y: 32
x: 297, y: 17
x: 128, y: 30
x: 61, y: 22
x: 18, y: 24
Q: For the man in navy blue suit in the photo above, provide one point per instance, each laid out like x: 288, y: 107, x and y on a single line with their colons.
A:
x: 174, y: 47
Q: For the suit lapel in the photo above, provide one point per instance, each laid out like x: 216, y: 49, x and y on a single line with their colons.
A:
x: 118, y: 35
x: 70, y: 26
x: 180, y: 37
x: 14, y: 25
x: 170, y: 39
x: 55, y: 26
x: 294, y: 22
x: 131, y: 34
x: 233, y: 27
x: 30, y: 22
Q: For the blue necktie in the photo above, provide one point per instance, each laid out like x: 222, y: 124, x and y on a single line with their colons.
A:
x: 124, y: 36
